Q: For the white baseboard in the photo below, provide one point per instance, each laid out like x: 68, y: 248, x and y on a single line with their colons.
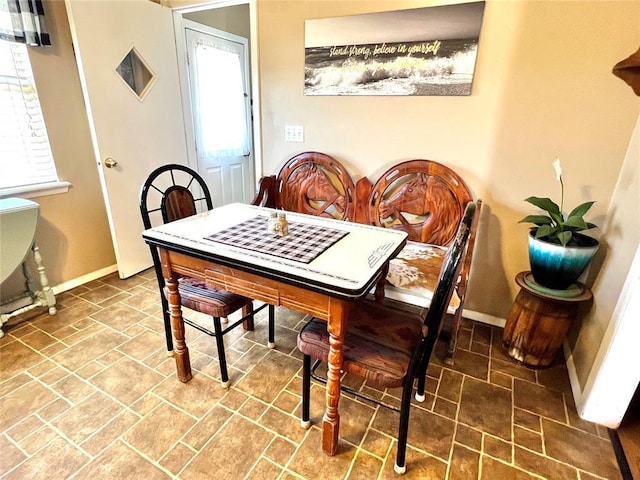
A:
x: 484, y: 318
x: 89, y: 277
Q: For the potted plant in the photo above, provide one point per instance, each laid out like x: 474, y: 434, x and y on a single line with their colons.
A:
x: 558, y: 253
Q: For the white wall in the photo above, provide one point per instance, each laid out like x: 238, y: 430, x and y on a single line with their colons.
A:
x: 605, y: 379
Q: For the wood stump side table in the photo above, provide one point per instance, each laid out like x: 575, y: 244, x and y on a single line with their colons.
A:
x: 538, y: 322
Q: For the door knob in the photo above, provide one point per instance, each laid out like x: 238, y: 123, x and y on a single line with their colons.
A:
x: 110, y: 162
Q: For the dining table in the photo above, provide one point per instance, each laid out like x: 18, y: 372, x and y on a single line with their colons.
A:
x: 320, y: 268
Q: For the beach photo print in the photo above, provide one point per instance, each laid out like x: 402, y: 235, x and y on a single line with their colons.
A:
x: 418, y: 51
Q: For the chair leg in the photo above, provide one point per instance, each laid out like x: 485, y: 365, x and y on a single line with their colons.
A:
x: 272, y: 327
x: 422, y: 376
x: 306, y: 391
x: 422, y: 381
x: 248, y: 323
x: 167, y: 325
x: 222, y: 358
x: 164, y: 302
x: 453, y: 339
x: 400, y: 466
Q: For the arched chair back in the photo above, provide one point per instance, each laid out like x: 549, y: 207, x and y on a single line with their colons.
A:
x: 424, y: 198
x: 317, y: 184
x: 174, y: 191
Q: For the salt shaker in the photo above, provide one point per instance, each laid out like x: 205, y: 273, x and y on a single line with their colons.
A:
x: 272, y: 223
x: 284, y: 225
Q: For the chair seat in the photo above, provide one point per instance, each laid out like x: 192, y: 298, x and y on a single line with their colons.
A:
x: 197, y: 295
x: 413, y: 275
x: 378, y: 344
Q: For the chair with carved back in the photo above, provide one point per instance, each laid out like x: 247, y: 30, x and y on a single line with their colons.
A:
x: 313, y: 183
x: 172, y: 192
x: 427, y: 200
x: 387, y: 345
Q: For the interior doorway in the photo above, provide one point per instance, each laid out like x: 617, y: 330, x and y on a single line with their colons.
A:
x: 232, y: 20
x: 221, y: 110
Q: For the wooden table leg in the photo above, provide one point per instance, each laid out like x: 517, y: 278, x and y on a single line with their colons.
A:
x: 379, y: 293
x: 180, y: 350
x: 336, y: 325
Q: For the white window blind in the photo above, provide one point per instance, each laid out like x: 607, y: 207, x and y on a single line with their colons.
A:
x: 25, y: 154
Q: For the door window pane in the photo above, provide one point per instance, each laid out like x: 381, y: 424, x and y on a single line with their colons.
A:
x: 221, y: 101
x: 135, y: 73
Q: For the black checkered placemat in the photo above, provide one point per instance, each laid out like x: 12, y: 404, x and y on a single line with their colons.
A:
x: 304, y: 242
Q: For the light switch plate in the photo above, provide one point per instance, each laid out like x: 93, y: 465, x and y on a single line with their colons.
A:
x: 293, y: 133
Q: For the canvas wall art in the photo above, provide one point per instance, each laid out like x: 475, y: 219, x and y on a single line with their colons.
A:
x: 418, y: 51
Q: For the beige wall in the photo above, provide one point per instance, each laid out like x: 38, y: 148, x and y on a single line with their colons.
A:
x: 73, y: 233
x: 233, y: 19
x: 543, y: 87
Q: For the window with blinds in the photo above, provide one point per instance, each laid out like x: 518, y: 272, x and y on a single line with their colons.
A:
x: 25, y: 154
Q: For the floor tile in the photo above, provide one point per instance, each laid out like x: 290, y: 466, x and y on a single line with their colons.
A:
x: 195, y: 397
x: 493, y: 469
x: 277, y: 369
x: 486, y: 407
x: 22, y: 402
x: 16, y: 357
x: 464, y: 464
x: 59, y: 458
x: 127, y: 380
x: 206, y: 428
x: 159, y: 431
x: 228, y: 454
x: 11, y: 455
x: 90, y: 348
x: 540, y: 400
x: 585, y: 451
x: 308, y: 463
x: 83, y: 420
x: 121, y: 462
x: 365, y: 467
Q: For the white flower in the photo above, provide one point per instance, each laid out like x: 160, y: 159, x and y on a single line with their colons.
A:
x: 558, y: 168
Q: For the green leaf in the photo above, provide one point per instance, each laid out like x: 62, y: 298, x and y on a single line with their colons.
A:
x: 564, y: 238
x: 545, y: 231
x: 576, y: 222
x: 545, y: 204
x: 537, y: 219
x: 591, y: 225
x: 580, y: 210
x: 557, y: 217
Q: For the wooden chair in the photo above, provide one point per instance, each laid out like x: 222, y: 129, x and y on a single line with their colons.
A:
x: 427, y: 200
x: 172, y: 192
x: 313, y: 183
x: 387, y: 346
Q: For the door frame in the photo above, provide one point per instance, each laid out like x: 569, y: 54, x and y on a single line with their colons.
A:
x: 611, y: 383
x: 179, y: 25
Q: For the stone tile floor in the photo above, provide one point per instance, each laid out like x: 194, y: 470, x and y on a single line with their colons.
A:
x: 90, y: 393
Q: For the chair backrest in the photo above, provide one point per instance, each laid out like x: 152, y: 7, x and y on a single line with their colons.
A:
x: 424, y: 198
x: 175, y: 192
x: 447, y: 279
x: 316, y: 184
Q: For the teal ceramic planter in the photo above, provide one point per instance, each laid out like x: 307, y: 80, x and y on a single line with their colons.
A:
x: 557, y: 267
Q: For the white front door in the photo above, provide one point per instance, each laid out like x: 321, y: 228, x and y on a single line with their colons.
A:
x: 220, y: 104
x: 127, y: 60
